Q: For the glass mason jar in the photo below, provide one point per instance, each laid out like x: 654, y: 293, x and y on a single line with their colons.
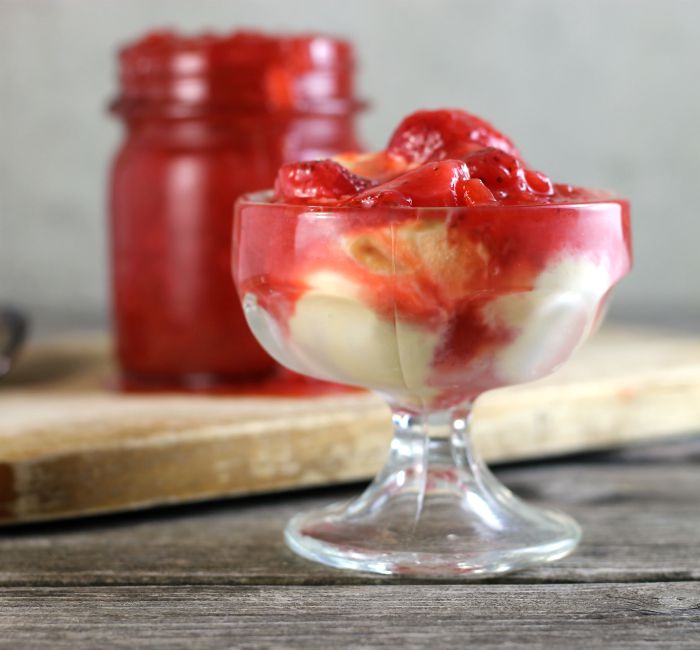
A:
x: 207, y: 118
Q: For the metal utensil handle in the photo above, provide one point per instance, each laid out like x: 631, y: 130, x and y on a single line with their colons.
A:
x: 15, y: 325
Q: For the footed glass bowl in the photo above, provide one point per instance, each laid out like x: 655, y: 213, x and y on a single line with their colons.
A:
x: 429, y: 308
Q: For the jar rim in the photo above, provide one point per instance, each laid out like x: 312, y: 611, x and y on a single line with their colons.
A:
x: 243, y: 69
x: 241, y: 49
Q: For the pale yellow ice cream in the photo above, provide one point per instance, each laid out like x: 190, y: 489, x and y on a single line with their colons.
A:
x: 335, y: 334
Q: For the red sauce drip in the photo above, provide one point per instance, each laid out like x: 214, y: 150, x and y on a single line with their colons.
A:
x: 281, y: 383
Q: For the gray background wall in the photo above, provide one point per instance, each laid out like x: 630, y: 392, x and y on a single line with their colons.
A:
x: 602, y: 92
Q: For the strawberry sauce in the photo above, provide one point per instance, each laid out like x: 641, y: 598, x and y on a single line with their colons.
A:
x: 207, y: 118
x: 431, y: 271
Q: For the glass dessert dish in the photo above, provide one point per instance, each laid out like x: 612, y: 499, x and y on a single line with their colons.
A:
x: 429, y: 307
x: 428, y: 288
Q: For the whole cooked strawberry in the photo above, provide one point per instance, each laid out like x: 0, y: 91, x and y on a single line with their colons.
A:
x: 442, y: 134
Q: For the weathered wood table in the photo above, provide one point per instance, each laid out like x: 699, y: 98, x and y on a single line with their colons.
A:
x: 219, y: 576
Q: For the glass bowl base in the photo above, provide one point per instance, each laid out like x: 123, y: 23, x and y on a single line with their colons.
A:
x: 434, y: 511
x: 440, y: 546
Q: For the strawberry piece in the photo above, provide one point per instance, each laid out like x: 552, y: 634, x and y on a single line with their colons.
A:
x: 502, y: 173
x: 436, y: 184
x: 442, y: 134
x: 317, y: 180
x: 474, y: 192
x: 377, y: 165
x: 506, y: 176
x: 539, y: 183
x: 381, y: 196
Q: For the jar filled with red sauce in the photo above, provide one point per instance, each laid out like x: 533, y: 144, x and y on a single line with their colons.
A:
x: 208, y: 118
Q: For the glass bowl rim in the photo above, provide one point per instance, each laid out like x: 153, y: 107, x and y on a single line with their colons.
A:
x: 261, y: 198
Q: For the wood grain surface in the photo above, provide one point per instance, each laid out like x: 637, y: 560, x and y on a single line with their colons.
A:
x: 218, y: 575
x: 70, y: 445
x: 639, y: 509
x: 324, y: 618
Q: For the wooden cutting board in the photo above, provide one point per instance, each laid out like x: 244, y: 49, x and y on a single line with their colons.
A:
x: 69, y: 445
